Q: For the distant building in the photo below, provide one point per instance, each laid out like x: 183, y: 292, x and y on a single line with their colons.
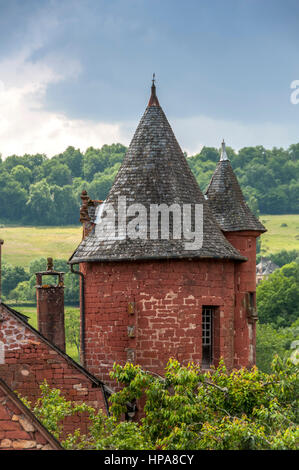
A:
x: 264, y: 268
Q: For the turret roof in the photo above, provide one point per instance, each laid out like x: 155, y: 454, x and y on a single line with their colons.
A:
x: 155, y: 171
x: 226, y: 199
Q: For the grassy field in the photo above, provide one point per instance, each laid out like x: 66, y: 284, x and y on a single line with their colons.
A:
x: 31, y: 313
x: 282, y: 234
x: 24, y: 244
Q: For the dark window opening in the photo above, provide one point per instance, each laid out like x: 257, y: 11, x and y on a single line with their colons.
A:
x: 251, y: 300
x: 207, y: 336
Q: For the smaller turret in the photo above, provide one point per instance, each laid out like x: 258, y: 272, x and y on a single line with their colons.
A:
x: 241, y: 228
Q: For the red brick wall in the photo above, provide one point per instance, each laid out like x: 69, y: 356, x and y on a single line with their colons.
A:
x: 168, y: 298
x: 245, y: 282
x: 26, y: 360
x: 17, y: 430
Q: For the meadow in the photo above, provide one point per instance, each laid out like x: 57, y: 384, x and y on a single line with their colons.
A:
x: 30, y: 311
x: 282, y: 233
x: 24, y: 244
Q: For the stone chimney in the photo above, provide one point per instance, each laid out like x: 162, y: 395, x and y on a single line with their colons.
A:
x: 1, y: 243
x: 50, y: 305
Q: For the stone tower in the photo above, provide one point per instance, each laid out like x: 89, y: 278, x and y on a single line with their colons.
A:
x: 147, y: 297
x: 241, y: 228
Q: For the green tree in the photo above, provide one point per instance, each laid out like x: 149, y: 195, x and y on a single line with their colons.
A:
x: 24, y: 292
x: 66, y: 207
x: 12, y: 198
x: 59, y: 174
x: 284, y: 257
x: 188, y: 409
x: 72, y: 328
x: 271, y: 342
x: 40, y: 204
x: 11, y: 277
x: 73, y: 158
x: 278, y: 296
x: 23, y: 175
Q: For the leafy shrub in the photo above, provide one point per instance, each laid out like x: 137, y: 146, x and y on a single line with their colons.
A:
x: 187, y: 409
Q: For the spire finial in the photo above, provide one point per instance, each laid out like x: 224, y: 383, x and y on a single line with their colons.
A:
x: 223, y: 155
x: 153, y: 99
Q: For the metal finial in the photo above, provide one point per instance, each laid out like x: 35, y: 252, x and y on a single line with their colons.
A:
x: 153, y: 99
x: 223, y: 156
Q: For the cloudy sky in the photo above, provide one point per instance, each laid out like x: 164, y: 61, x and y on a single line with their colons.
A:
x: 78, y: 72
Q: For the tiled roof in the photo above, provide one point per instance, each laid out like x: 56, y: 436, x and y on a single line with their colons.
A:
x: 155, y: 171
x: 266, y: 266
x: 227, y: 202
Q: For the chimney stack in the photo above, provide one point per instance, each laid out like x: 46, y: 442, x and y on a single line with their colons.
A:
x: 1, y: 243
x: 50, y: 306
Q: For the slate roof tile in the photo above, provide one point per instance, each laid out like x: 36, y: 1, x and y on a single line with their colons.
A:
x: 155, y: 171
x: 227, y: 202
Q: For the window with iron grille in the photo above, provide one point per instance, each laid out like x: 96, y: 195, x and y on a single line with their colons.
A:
x: 207, y: 336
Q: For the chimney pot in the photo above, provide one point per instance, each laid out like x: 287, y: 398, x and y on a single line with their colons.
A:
x: 50, y: 306
x: 1, y: 243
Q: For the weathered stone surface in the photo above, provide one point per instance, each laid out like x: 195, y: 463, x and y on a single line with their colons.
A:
x: 6, y: 443
x: 30, y: 359
x: 24, y: 431
x: 26, y: 425
x: 23, y: 444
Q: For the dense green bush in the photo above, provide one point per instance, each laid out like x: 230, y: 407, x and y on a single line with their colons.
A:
x: 187, y: 409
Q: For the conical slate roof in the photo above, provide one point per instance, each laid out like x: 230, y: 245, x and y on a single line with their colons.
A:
x: 226, y: 199
x: 154, y: 171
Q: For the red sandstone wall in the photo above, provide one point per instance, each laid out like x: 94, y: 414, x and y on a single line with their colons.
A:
x: 17, y: 432
x: 168, y: 298
x: 245, y: 282
x: 26, y: 360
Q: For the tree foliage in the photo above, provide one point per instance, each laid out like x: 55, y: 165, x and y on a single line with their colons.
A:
x: 11, y: 277
x: 30, y: 183
x: 281, y: 257
x: 278, y: 296
x: 188, y: 409
x: 272, y: 341
x: 18, y: 285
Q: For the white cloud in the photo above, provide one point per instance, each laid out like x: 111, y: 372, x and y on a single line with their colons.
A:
x: 26, y: 127
x: 195, y: 132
